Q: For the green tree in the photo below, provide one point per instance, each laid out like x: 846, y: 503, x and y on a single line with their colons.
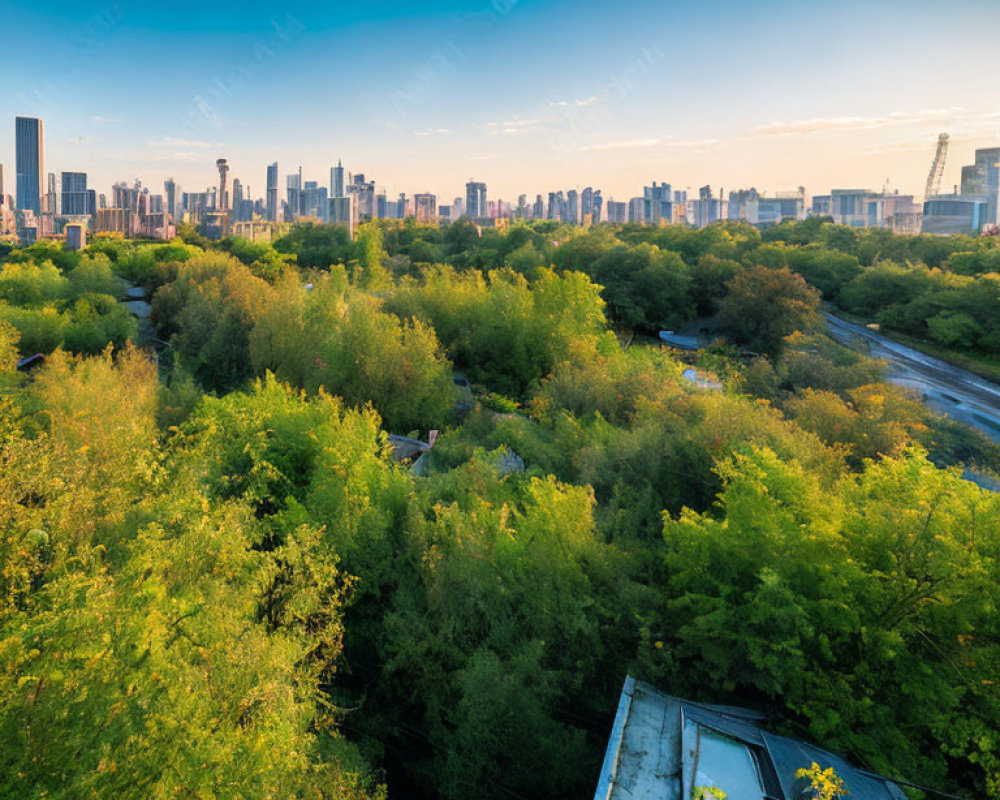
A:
x: 208, y: 312
x: 763, y: 306
x: 370, y: 252
x: 339, y: 339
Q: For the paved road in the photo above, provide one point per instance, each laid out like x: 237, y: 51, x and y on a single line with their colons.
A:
x: 945, y: 388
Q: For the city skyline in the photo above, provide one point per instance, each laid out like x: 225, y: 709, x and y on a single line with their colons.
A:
x: 523, y: 95
x: 971, y: 206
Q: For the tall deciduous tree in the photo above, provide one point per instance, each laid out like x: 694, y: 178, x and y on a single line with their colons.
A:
x: 763, y: 306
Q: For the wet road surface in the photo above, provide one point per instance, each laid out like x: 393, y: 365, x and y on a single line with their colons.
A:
x: 945, y: 388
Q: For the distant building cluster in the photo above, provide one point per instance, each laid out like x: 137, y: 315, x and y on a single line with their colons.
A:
x: 48, y: 206
x: 972, y: 207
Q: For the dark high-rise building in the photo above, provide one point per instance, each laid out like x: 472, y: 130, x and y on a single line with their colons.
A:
x: 425, y: 208
x: 983, y: 178
x: 635, y: 210
x: 51, y: 204
x: 597, y: 207
x: 271, y: 197
x: 293, y: 209
x: 475, y: 200
x: 223, y: 166
x: 617, y: 212
x: 364, y: 197
x: 170, y: 191
x: 76, y: 200
x: 572, y: 207
x: 657, y: 205
x: 342, y: 212
x: 242, y: 204
x: 538, y: 210
x: 30, y: 162
x: 337, y: 180
x: 315, y: 202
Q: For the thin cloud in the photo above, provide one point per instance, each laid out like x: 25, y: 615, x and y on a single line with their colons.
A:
x: 103, y: 120
x: 581, y: 103
x: 512, y: 127
x: 514, y: 123
x: 640, y: 144
x: 908, y: 146
x: 161, y: 157
x: 169, y: 141
x: 823, y: 124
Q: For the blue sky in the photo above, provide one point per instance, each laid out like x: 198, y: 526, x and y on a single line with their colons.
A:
x: 528, y: 95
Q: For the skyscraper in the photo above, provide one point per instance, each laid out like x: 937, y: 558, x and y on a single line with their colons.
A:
x: 170, y: 190
x: 635, y: 209
x: 51, y: 204
x: 425, y: 208
x: 342, y: 212
x: 572, y: 207
x: 315, y: 202
x: 475, y: 200
x: 293, y: 209
x: 30, y: 160
x: 76, y: 200
x: 337, y: 180
x: 272, y: 192
x: 364, y: 194
x: 657, y: 204
x: 223, y: 168
x: 617, y: 212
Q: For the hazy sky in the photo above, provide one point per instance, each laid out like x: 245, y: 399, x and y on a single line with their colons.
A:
x: 527, y: 95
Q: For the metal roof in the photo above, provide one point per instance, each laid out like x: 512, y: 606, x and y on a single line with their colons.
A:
x: 662, y: 748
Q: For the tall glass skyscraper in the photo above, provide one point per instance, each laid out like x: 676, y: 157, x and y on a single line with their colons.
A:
x: 29, y: 156
x: 337, y: 180
x: 475, y: 200
x: 170, y: 189
x: 272, y: 192
x: 76, y: 200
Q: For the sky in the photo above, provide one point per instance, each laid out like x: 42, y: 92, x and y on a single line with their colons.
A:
x: 530, y: 96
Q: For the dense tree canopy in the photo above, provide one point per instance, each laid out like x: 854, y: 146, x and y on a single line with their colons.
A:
x: 217, y: 579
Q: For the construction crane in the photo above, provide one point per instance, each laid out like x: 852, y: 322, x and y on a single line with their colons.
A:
x: 937, y: 168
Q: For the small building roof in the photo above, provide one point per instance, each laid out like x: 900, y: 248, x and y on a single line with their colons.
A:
x: 30, y: 362
x: 404, y: 448
x: 680, y: 341
x: 663, y: 748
